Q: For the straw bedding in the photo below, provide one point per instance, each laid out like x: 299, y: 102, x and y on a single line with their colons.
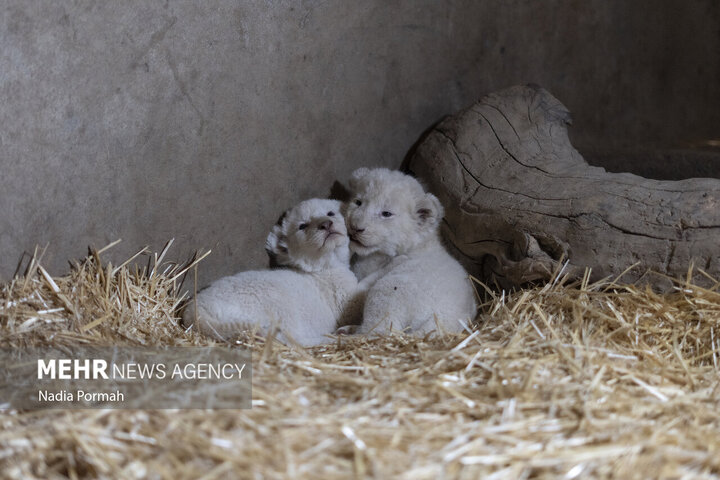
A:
x: 560, y: 381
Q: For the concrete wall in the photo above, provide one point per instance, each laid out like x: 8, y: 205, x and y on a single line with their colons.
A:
x: 204, y: 120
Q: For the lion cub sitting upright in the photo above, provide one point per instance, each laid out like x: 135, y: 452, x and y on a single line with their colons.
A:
x: 305, y: 301
x: 418, y: 287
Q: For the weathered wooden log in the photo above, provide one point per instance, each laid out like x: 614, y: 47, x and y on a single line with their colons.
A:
x: 519, y: 199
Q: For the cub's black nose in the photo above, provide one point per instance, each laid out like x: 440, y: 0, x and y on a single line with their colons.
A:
x: 356, y: 230
x: 325, y: 225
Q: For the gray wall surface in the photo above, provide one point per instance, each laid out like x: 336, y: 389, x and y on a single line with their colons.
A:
x: 203, y: 121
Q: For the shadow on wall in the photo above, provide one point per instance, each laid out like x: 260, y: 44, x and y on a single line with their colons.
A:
x: 696, y: 161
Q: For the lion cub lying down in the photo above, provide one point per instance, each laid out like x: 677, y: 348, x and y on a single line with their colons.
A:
x: 305, y: 301
x: 394, y: 228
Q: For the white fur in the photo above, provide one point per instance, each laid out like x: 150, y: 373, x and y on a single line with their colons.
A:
x: 302, y: 303
x: 417, y: 286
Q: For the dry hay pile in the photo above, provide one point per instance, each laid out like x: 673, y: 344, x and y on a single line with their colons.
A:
x: 563, y: 381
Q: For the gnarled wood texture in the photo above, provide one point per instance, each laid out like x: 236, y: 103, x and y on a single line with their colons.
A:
x: 519, y: 197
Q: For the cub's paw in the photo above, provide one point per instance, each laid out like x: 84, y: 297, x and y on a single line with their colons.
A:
x: 347, y: 330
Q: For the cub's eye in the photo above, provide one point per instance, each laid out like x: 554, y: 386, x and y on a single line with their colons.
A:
x: 302, y: 226
x: 386, y: 214
x: 358, y: 202
x: 331, y: 214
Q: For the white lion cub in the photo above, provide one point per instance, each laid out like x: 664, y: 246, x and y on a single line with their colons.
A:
x: 418, y: 287
x: 305, y: 301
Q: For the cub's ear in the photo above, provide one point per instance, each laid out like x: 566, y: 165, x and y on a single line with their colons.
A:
x: 276, y: 248
x: 356, y: 177
x: 429, y: 212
